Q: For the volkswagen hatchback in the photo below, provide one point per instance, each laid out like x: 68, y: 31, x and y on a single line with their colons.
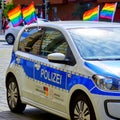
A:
x: 68, y: 68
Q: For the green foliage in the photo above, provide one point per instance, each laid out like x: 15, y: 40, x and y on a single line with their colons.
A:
x: 7, y: 9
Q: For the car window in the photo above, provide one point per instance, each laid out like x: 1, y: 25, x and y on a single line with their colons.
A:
x: 97, y: 43
x: 43, y: 41
x: 30, y: 41
x: 53, y: 42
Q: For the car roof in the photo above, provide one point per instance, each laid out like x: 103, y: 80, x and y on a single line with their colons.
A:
x: 77, y: 24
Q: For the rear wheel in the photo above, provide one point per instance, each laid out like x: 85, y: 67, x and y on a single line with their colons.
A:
x: 13, y: 97
x: 81, y: 109
x: 10, y: 39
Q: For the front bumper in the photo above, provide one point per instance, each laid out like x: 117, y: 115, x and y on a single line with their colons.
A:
x: 112, y: 108
x: 106, y: 107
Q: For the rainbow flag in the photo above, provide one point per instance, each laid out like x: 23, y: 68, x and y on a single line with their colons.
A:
x: 29, y: 14
x: 108, y: 11
x: 92, y: 14
x: 15, y: 16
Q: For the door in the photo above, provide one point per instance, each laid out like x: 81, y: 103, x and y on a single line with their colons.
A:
x: 28, y: 50
x: 52, y: 77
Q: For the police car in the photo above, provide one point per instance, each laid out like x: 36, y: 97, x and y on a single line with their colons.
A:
x: 68, y: 68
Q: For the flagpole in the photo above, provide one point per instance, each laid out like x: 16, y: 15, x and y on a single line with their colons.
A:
x: 114, y: 12
x: 98, y: 12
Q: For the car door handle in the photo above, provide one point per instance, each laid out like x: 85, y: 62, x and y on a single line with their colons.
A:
x: 37, y: 66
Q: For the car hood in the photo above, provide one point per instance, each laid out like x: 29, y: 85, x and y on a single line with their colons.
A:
x: 105, y: 68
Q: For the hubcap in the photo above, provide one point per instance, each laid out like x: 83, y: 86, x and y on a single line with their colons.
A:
x: 12, y: 94
x: 81, y: 111
x: 10, y: 39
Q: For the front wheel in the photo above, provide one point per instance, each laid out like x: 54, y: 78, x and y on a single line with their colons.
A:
x: 81, y: 109
x: 10, y: 39
x: 13, y: 97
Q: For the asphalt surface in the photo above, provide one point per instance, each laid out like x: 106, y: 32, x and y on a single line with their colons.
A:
x: 30, y: 113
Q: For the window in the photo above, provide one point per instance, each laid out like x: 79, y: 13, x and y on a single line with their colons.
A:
x: 31, y: 41
x: 44, y: 41
x: 53, y: 42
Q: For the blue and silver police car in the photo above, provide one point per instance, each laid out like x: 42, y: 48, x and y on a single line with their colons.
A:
x: 68, y: 68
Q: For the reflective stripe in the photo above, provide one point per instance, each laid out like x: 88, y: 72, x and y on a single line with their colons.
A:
x: 59, y: 78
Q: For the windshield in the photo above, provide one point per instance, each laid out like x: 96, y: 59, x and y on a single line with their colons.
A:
x: 97, y: 43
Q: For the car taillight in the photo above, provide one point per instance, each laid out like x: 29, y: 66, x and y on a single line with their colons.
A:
x: 7, y: 26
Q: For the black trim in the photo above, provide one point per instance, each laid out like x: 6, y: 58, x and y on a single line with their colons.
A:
x: 106, y: 110
x: 66, y: 61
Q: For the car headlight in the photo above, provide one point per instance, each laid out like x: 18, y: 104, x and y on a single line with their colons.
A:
x: 106, y: 83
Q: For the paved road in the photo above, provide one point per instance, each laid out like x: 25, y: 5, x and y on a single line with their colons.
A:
x: 2, y: 38
x: 30, y: 113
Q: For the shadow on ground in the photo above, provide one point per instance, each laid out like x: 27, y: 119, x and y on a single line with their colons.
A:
x: 29, y: 114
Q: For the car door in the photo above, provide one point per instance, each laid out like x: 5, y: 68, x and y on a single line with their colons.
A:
x: 28, y: 49
x: 51, y: 78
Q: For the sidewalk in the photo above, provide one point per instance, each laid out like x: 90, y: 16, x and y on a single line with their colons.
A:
x: 2, y: 38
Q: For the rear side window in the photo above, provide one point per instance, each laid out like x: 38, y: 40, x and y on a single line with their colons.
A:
x: 30, y: 41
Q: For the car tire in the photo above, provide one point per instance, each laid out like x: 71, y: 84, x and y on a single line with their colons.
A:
x: 10, y: 39
x: 13, y: 97
x: 81, y: 108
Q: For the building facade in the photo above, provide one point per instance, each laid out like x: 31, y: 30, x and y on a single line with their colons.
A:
x: 68, y: 9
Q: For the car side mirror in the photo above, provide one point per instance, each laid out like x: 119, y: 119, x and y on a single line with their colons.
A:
x: 58, y: 58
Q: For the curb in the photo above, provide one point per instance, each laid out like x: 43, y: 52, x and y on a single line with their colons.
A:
x: 2, y: 41
x: 2, y: 38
